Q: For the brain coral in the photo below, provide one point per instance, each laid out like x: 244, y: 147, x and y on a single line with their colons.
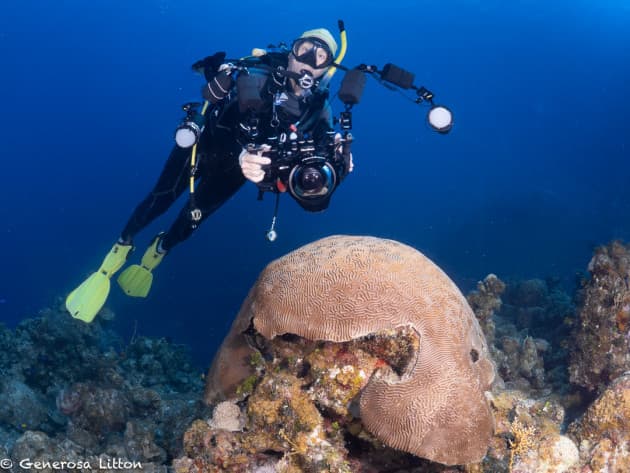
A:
x: 344, y: 287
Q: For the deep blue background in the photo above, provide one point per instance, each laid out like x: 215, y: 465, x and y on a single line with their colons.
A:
x: 534, y: 174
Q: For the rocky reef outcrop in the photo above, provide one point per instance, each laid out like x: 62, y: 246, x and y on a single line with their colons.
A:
x: 601, y: 348
x: 603, y: 432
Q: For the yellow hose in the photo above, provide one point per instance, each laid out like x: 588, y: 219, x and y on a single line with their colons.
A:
x: 193, y: 156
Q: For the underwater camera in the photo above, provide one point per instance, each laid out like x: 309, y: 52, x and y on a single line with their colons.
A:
x: 312, y: 183
x: 310, y: 176
x: 189, y: 130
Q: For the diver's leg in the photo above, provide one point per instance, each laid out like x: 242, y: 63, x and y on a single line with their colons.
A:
x: 170, y: 185
x: 86, y: 300
x: 222, y: 180
x: 216, y: 186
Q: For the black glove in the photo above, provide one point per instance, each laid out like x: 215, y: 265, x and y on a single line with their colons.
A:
x: 209, y: 65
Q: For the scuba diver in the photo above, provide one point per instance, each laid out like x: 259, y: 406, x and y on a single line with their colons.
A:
x: 261, y: 114
x: 266, y: 119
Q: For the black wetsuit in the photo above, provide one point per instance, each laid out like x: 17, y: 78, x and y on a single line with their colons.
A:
x: 219, y: 175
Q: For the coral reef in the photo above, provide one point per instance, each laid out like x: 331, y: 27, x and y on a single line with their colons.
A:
x: 486, y: 302
x: 603, y: 432
x: 343, y: 288
x: 75, y: 391
x: 301, y: 411
x: 301, y: 415
x: 529, y: 358
x: 37, y: 451
x: 21, y: 407
x: 535, y: 320
x: 601, y: 349
x: 539, y: 307
x: 518, y: 356
x: 299, y: 399
x: 520, y: 362
x: 296, y: 395
x: 529, y: 435
x: 531, y: 418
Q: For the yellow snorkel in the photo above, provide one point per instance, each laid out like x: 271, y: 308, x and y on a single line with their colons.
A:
x: 342, y: 52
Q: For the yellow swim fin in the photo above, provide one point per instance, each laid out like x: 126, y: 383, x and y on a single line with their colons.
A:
x: 86, y: 300
x: 136, y: 280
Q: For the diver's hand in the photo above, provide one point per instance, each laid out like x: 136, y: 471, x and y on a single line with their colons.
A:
x: 251, y: 164
x: 340, y: 150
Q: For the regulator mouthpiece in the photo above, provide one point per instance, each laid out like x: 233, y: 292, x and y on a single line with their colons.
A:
x: 306, y: 80
x: 440, y: 119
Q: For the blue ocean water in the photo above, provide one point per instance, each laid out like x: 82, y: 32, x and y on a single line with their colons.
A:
x: 532, y: 177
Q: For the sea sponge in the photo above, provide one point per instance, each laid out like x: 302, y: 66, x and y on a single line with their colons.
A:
x: 342, y: 288
x: 226, y: 416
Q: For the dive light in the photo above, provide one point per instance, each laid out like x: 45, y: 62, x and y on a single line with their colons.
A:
x: 189, y: 130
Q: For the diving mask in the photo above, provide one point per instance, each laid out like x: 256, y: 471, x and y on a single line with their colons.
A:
x: 312, y: 52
